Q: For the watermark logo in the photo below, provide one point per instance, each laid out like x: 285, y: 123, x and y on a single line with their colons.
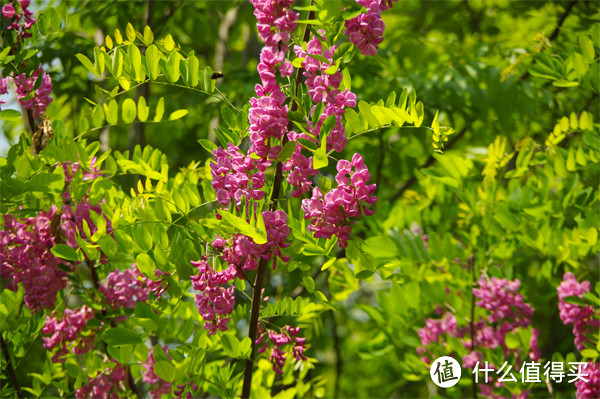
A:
x: 445, y: 372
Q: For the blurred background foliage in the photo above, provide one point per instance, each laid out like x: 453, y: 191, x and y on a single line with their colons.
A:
x: 511, y: 193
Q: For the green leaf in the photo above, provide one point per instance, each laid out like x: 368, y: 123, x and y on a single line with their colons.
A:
x: 168, y: 43
x: 143, y: 109
x: 148, y: 36
x: 160, y: 110
x: 193, y: 68
x: 145, y: 265
x: 135, y: 57
x: 259, y: 237
x: 320, y: 159
x: 64, y: 251
x: 128, y: 110
x: 590, y: 353
x: 208, y: 145
x: 587, y: 48
x: 99, y: 61
x: 309, y: 283
x: 119, y: 336
x: 130, y: 32
x: 230, y: 345
x: 513, y: 341
x: 287, y: 151
x: 180, y: 113
x: 152, y: 58
x: 10, y: 115
x: 165, y: 370
x: 173, y: 71
x: 87, y: 63
x: 117, y: 63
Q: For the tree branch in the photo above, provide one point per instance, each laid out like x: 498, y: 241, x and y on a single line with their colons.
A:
x: 262, y: 265
x: 10, y: 371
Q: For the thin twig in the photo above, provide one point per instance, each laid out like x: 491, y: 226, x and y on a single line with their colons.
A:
x: 262, y: 265
x: 10, y: 371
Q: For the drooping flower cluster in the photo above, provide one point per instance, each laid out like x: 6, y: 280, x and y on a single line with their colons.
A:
x: 158, y: 386
x: 268, y: 115
x: 25, y: 258
x: 38, y: 100
x: 3, y: 89
x: 20, y: 16
x: 505, y: 304
x: 589, y: 387
x: 66, y: 332
x: 505, y: 311
x: 125, y: 288
x: 234, y: 176
x: 583, y: 318
x: 323, y: 88
x: 109, y: 384
x: 288, y: 335
x: 329, y: 214
x: 215, y: 302
x: 366, y: 30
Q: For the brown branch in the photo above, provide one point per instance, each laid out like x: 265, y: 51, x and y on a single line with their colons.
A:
x: 262, y: 265
x: 10, y: 371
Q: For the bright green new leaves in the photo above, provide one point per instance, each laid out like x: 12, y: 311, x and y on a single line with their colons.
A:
x: 65, y: 252
x: 257, y: 235
x: 119, y: 336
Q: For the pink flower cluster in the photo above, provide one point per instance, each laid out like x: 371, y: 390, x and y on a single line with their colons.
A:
x: 366, y: 30
x: 125, y: 288
x: 268, y: 115
x: 583, y: 318
x: 38, y: 100
x: 329, y: 214
x: 288, y: 335
x: 589, y: 389
x: 506, y: 311
x: 109, y: 384
x: 20, y: 16
x: 25, y: 258
x: 500, y: 298
x: 158, y: 386
x: 215, y: 302
x: 3, y: 89
x: 234, y: 176
x: 323, y: 88
x: 67, y: 330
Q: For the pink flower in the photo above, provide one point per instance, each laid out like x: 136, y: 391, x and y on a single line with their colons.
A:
x: 366, y: 30
x: 582, y: 317
x: 38, y: 100
x: 330, y: 214
x: 8, y: 11
x: 591, y: 388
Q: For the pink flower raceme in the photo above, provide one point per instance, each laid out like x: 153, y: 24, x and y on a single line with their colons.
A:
x: 3, y: 89
x: 505, y: 312
x: 589, y: 388
x: 288, y: 335
x: 268, y: 115
x: 20, y: 16
x: 330, y: 213
x: 108, y: 384
x: 67, y: 331
x: 366, y: 30
x: 124, y: 288
x: 214, y: 302
x: 25, y: 258
x: 234, y: 176
x: 38, y: 100
x: 583, y: 318
x: 500, y: 297
x: 275, y: 20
